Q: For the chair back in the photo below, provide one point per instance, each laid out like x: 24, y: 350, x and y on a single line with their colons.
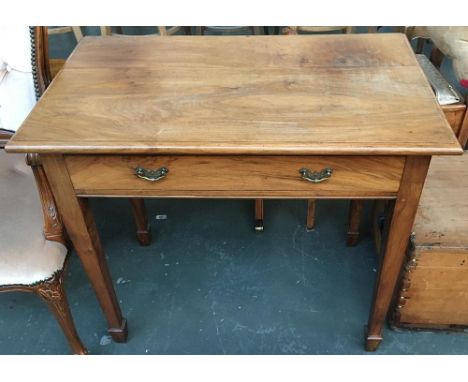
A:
x: 24, y: 74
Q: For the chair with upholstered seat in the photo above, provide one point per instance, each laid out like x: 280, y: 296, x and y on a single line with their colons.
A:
x: 33, y: 253
x: 28, y: 261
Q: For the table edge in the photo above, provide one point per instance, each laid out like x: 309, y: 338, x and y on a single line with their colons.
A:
x: 16, y: 147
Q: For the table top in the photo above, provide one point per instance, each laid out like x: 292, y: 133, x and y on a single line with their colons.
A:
x: 328, y: 94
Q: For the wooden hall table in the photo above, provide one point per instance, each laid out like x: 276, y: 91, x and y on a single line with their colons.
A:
x: 337, y: 116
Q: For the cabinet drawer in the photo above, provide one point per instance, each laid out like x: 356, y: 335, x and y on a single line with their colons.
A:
x: 236, y: 176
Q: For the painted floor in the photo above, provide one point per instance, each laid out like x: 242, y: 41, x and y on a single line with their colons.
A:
x: 210, y: 284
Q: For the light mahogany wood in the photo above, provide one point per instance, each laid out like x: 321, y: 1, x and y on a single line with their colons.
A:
x: 53, y: 226
x: 310, y: 221
x: 46, y: 72
x: 379, y: 217
x: 457, y: 118
x: 52, y: 292
x: 394, y: 248
x: 282, y: 52
x: 442, y: 217
x: 56, y: 65
x: 354, y: 222
x: 455, y: 114
x: 239, y: 95
x: 258, y: 212
x: 143, y: 232
x: 463, y: 134
x: 237, y: 176
x: 238, y: 117
x: 81, y: 228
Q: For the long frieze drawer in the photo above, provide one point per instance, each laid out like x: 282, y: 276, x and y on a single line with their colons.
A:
x: 231, y: 176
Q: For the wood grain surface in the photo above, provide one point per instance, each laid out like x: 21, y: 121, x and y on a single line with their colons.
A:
x: 236, y: 176
x: 304, y: 95
x: 81, y: 227
x: 395, y: 243
x: 435, y: 289
x: 236, y: 52
x: 455, y: 114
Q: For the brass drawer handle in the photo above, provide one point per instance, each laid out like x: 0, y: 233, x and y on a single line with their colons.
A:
x: 151, y: 175
x: 316, y: 176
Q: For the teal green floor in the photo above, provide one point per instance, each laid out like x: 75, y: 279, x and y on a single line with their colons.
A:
x: 210, y: 284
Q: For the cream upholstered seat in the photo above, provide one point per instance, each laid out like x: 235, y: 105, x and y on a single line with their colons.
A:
x: 26, y: 257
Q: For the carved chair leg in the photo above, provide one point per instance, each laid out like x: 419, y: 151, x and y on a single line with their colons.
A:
x: 354, y: 222
x: 310, y: 225
x: 258, y: 215
x: 143, y: 232
x: 53, y: 293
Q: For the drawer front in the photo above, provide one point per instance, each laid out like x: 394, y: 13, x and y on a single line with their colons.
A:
x: 236, y: 176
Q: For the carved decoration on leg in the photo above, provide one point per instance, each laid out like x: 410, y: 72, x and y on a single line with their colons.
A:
x: 53, y: 226
x: 81, y: 227
x: 52, y: 291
